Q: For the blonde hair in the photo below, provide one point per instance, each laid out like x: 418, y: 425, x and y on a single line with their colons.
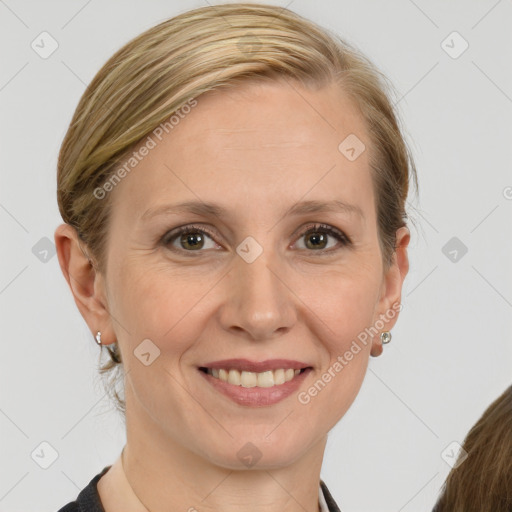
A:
x: 213, y: 47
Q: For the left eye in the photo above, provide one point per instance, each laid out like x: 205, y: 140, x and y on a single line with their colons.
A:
x: 319, y: 234
x: 194, y: 237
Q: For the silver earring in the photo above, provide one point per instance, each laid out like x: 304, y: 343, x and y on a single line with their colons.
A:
x: 385, y: 336
x: 98, y: 338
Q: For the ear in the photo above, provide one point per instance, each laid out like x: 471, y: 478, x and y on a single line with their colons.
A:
x: 391, y: 291
x: 86, y: 284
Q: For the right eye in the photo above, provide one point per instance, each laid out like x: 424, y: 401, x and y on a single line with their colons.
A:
x: 193, y: 236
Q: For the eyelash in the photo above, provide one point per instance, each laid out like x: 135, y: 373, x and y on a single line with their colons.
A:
x: 314, y: 228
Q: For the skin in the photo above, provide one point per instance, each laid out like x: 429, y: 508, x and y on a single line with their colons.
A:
x: 256, y: 150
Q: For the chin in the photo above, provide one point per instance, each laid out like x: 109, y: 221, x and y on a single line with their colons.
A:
x: 259, y: 450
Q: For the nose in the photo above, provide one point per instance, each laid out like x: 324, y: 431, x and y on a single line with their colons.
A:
x: 259, y: 303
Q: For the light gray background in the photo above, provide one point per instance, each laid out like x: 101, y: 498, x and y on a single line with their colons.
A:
x: 451, y: 352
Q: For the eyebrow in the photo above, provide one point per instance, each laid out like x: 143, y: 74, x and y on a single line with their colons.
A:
x: 215, y: 210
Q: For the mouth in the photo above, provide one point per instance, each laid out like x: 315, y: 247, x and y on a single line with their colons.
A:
x: 255, y: 384
x: 249, y: 379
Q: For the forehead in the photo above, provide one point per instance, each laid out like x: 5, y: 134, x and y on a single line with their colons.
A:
x: 255, y: 146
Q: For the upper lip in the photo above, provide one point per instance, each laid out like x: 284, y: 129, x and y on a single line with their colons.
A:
x: 255, y: 366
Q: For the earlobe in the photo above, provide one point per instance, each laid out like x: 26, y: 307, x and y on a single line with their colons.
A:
x: 84, y: 282
x: 388, y: 308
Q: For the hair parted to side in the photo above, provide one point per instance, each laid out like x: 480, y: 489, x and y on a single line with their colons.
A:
x: 483, y: 481
x: 214, y: 47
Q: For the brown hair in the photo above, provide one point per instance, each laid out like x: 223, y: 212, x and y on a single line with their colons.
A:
x: 483, y: 481
x: 213, y: 47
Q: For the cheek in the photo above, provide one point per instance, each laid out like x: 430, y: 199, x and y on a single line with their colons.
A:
x: 152, y: 303
x: 166, y: 309
x: 345, y: 312
x: 344, y: 302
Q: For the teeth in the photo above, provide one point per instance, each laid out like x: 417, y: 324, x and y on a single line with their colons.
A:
x: 279, y: 376
x: 234, y: 377
x: 266, y: 379
x: 251, y: 379
x: 248, y: 379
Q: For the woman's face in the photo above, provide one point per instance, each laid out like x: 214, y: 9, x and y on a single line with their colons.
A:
x: 261, y: 281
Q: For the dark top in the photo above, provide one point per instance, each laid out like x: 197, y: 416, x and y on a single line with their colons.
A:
x: 89, y: 500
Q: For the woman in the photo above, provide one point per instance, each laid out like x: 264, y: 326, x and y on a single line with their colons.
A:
x: 233, y: 188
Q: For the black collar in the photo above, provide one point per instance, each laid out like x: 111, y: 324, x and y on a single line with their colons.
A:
x: 333, y: 507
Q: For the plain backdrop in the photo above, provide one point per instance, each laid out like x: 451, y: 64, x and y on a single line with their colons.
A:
x: 451, y: 352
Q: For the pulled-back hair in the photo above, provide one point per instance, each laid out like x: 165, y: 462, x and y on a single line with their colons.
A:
x: 158, y: 72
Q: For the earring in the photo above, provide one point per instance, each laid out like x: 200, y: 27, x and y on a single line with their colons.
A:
x: 385, y: 336
x: 98, y: 338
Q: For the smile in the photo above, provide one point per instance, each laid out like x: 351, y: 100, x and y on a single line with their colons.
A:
x: 254, y: 389
x: 248, y: 379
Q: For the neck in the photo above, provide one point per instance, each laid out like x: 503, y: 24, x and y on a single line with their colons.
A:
x: 174, y: 478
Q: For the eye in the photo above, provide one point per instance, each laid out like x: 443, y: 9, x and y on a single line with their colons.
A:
x: 318, y: 235
x: 192, y: 238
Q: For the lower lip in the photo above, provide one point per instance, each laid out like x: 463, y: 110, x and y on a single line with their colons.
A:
x: 256, y: 396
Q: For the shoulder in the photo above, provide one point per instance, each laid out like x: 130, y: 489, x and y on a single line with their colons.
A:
x: 88, y: 500
x: 70, y: 507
